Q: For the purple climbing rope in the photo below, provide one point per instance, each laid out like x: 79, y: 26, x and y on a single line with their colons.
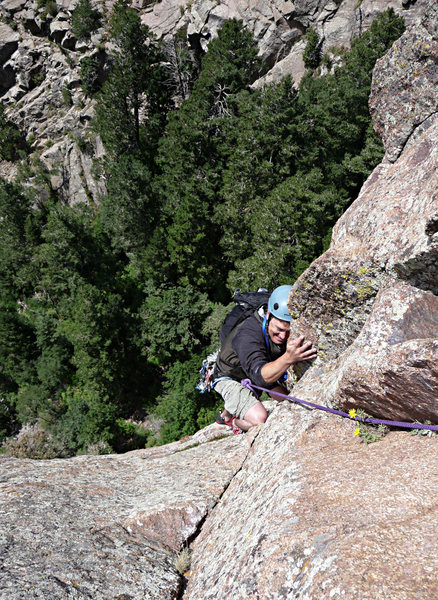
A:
x: 248, y: 384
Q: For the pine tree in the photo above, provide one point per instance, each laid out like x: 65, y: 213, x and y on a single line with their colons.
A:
x: 134, y: 93
x: 85, y: 19
x: 192, y: 156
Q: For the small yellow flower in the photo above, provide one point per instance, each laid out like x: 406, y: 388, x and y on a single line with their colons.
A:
x: 357, y: 431
x: 352, y: 413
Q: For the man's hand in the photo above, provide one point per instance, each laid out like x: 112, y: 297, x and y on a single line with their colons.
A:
x: 296, y: 350
x: 299, y: 349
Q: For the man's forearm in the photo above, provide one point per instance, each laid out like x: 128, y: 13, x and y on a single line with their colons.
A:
x: 274, y: 370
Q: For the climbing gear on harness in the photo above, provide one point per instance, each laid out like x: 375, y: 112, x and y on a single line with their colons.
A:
x: 277, y: 303
x: 206, y: 371
x: 248, y: 384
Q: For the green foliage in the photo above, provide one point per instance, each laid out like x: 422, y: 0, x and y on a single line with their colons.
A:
x: 134, y: 86
x: 192, y: 155
x: 128, y: 210
x: 130, y: 436
x: 90, y: 73
x: 296, y: 216
x: 180, y: 65
x: 180, y: 403
x: 312, y: 52
x: 89, y: 419
x: 49, y: 8
x: 264, y: 154
x: 85, y: 20
x: 13, y: 144
x: 67, y: 96
x: 172, y: 321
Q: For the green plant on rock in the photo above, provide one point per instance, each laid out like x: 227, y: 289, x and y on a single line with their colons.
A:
x: 424, y: 432
x: 312, y: 52
x: 183, y: 559
x: 67, y: 96
x: 90, y: 74
x: 85, y: 20
x: 13, y: 144
x: 367, y: 432
x: 49, y: 7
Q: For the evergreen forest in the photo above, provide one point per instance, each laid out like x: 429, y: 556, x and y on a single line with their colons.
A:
x: 108, y: 308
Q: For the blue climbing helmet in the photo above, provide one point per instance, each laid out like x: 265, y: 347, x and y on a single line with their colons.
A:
x: 277, y: 303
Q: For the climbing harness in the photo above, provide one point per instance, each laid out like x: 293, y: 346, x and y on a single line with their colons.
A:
x: 248, y: 384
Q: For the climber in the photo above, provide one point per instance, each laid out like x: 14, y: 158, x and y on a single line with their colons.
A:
x: 261, y: 350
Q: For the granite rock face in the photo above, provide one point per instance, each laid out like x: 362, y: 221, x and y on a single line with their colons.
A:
x: 300, y: 508
x: 379, y: 279
x: 314, y: 514
x: 391, y: 368
x: 40, y: 59
x: 110, y: 526
x: 404, y: 84
x: 278, y: 25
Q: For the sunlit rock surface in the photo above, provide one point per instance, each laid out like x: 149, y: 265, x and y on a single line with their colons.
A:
x: 378, y: 279
x: 314, y: 514
x: 110, y: 526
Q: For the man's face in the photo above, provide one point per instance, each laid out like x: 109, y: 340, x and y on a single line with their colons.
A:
x: 278, y: 330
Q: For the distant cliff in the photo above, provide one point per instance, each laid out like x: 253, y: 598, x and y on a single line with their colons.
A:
x: 40, y: 58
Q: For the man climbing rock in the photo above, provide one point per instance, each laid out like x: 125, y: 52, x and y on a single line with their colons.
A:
x: 261, y: 350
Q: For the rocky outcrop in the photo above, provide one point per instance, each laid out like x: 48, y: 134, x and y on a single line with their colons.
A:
x: 40, y: 64
x: 313, y: 514
x: 368, y: 302
x: 413, y: 60
x: 296, y: 509
x: 8, y: 44
x: 278, y: 26
x: 41, y: 88
x: 299, y: 508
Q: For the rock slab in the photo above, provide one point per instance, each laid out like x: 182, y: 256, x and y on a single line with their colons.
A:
x: 314, y: 513
x: 109, y: 526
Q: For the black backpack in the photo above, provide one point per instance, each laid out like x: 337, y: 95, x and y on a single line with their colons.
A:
x: 246, y: 304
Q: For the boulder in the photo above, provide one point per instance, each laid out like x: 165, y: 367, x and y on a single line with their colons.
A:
x: 34, y: 19
x: 8, y: 45
x: 390, y: 371
x: 58, y: 30
x: 8, y: 42
x: 10, y: 7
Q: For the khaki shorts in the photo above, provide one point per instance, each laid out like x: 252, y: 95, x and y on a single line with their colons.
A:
x: 238, y: 399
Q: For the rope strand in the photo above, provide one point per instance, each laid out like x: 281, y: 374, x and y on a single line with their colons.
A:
x: 248, y: 384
